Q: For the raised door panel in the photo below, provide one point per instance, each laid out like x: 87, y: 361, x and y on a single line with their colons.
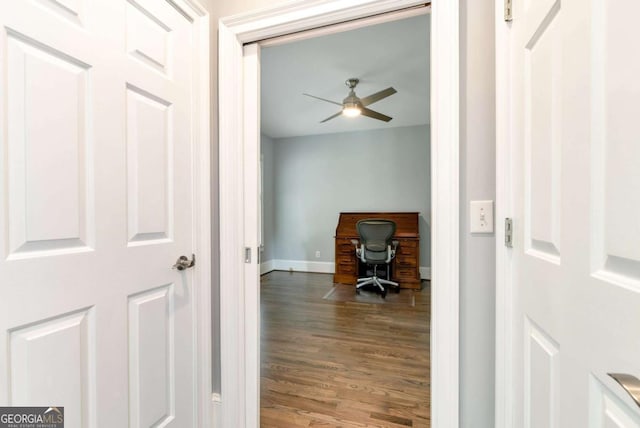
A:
x: 148, y: 38
x: 607, y: 410
x: 542, y: 122
x: 52, y: 363
x: 616, y: 152
x: 541, y: 371
x: 151, y: 358
x: 149, y: 167
x: 50, y: 195
x: 72, y: 10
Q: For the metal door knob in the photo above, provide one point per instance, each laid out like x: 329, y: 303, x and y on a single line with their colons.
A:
x: 183, y: 262
x: 629, y: 383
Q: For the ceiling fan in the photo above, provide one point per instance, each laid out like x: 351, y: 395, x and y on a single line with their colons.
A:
x: 354, y: 106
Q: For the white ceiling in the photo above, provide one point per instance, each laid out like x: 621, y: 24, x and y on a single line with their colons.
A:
x: 390, y: 54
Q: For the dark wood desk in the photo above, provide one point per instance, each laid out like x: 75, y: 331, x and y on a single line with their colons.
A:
x: 405, y: 267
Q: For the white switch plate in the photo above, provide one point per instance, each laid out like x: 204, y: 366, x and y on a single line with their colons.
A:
x: 481, y: 216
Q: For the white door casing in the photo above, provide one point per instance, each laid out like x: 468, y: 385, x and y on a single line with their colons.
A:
x: 239, y: 217
x: 252, y: 219
x: 102, y: 189
x: 568, y: 291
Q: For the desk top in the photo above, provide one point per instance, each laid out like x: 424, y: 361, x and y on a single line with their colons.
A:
x: 406, y: 223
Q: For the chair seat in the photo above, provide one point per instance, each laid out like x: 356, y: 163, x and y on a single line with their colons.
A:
x: 376, y: 247
x: 375, y: 257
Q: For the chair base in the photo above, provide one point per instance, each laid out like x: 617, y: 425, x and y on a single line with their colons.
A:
x: 379, y: 282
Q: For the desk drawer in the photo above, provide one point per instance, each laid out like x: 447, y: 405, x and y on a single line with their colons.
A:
x: 406, y: 261
x: 346, y: 265
x: 407, y: 247
x: 406, y: 273
x: 344, y: 246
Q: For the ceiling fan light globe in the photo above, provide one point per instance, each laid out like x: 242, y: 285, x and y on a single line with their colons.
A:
x: 351, y: 111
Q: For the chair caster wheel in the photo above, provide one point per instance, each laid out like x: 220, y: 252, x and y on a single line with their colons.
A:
x: 384, y: 293
x: 397, y: 290
x: 357, y: 291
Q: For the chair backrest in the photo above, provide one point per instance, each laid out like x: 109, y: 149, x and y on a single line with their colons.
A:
x: 375, y: 234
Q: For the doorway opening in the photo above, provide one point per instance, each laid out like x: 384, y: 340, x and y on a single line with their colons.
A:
x: 239, y: 201
x: 329, y: 355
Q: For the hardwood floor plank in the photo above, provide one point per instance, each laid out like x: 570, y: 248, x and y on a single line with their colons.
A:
x: 336, y: 362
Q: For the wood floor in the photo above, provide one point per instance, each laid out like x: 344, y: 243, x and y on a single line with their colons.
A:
x: 339, y: 363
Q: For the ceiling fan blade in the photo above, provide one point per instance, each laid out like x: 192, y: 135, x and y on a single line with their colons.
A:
x: 323, y: 99
x: 377, y: 96
x: 331, y: 117
x: 374, y: 114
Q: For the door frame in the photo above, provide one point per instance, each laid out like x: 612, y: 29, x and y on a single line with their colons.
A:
x: 199, y: 18
x: 504, y: 295
x: 504, y: 286
x: 239, y: 356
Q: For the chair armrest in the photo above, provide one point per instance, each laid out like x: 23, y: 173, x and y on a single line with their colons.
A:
x: 392, y: 251
x: 359, y: 253
x: 390, y: 254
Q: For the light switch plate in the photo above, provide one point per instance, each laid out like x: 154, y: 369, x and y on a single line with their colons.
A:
x: 481, y: 216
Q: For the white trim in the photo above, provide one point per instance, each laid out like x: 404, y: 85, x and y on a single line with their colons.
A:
x: 445, y: 186
x: 252, y: 217
x: 504, y: 294
x: 216, y: 410
x: 266, y: 267
x: 201, y: 182
x: 304, y: 266
x: 235, y: 320
x: 425, y: 272
x: 346, y: 26
x: 300, y: 15
x: 231, y: 229
x: 315, y: 267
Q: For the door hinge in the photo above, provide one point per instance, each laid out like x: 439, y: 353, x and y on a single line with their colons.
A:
x: 508, y: 232
x: 247, y: 254
x: 508, y: 11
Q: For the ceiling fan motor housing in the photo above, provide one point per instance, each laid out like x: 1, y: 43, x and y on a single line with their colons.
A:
x: 352, y: 101
x: 352, y: 83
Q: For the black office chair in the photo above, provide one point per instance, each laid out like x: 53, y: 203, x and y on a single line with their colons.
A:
x: 376, y: 248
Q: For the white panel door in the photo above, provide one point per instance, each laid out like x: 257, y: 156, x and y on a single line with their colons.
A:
x: 574, y: 161
x: 96, y: 205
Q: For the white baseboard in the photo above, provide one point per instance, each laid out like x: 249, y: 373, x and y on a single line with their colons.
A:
x: 216, y: 410
x: 425, y: 272
x: 297, y: 266
x: 315, y: 267
x: 266, y: 267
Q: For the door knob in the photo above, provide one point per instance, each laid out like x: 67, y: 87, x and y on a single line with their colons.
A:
x: 629, y: 383
x: 183, y: 262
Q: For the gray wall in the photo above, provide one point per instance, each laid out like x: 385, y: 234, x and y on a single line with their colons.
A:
x: 477, y: 182
x: 317, y: 177
x: 477, y: 288
x: 268, y: 198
